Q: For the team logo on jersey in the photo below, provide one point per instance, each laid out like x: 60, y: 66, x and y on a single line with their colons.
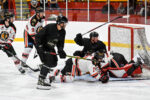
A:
x: 39, y: 29
x: 4, y: 35
x: 33, y: 22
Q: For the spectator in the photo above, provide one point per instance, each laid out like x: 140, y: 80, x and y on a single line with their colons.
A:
x: 121, y: 9
x: 5, y: 5
x: 133, y: 4
x: 27, y: 16
x: 34, y: 4
x: 140, y: 10
x: 53, y: 4
x: 42, y: 3
x: 1, y: 10
x: 105, y: 9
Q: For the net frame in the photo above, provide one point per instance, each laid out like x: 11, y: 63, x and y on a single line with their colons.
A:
x: 141, y: 36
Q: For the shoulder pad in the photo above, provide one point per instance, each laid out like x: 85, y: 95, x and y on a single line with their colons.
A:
x: 33, y: 21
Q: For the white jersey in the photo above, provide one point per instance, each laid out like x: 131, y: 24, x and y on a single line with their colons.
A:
x: 86, y: 67
x: 7, y: 34
x: 34, y: 25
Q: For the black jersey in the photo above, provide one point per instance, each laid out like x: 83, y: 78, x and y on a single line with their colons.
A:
x: 119, y: 59
x: 50, y: 37
x: 89, y: 46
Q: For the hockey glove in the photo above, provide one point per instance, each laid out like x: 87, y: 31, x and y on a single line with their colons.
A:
x: 79, y: 36
x: 104, y: 79
x: 78, y: 53
x: 62, y: 53
x: 7, y: 46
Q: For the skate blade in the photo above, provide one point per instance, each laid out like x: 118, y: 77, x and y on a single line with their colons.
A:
x: 43, y: 87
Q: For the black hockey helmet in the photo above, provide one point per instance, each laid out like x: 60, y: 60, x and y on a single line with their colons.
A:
x: 93, y: 34
x: 99, y: 55
x: 61, y: 19
x: 7, y: 15
x: 39, y: 9
x: 34, y: 2
x: 12, y: 15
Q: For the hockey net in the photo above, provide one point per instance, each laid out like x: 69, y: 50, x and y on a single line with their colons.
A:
x: 129, y: 41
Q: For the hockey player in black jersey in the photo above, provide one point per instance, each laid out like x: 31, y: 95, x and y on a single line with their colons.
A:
x: 7, y: 35
x: 90, y: 45
x: 50, y: 36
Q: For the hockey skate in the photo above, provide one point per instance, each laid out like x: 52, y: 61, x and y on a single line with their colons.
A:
x: 42, y: 85
x: 21, y: 70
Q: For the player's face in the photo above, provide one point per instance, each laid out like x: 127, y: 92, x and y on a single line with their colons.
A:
x: 63, y: 25
x: 12, y: 19
x: 94, y: 39
x: 7, y: 22
x: 41, y: 14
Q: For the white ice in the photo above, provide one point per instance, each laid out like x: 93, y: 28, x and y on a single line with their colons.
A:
x: 14, y: 86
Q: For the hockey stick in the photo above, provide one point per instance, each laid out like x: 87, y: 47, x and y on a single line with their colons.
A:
x: 52, y: 53
x: 106, y: 23
x: 130, y: 79
x: 35, y: 70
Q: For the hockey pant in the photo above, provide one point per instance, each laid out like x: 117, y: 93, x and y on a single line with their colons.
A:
x: 48, y: 60
x: 29, y: 42
x: 123, y: 72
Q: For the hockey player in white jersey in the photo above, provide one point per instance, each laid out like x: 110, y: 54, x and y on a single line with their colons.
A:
x: 79, y: 67
x: 113, y: 66
x: 7, y: 35
x: 34, y: 25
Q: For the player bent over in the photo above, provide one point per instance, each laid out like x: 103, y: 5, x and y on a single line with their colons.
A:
x: 7, y: 35
x: 50, y: 36
x: 34, y: 25
x: 90, y: 45
x: 79, y: 67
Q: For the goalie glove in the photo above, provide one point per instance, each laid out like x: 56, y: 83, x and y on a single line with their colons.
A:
x: 7, y: 46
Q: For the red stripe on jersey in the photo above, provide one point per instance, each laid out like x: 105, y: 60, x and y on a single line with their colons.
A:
x: 27, y: 27
x: 115, y: 63
x: 26, y: 39
x: 10, y: 41
x: 94, y: 75
x: 73, y: 70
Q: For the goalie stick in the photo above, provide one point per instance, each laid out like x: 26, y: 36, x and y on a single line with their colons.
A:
x: 130, y: 79
x: 34, y: 70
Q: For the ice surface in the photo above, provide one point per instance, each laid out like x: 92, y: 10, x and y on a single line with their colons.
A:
x: 14, y: 86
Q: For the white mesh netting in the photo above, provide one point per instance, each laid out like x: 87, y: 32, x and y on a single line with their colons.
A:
x: 123, y: 37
